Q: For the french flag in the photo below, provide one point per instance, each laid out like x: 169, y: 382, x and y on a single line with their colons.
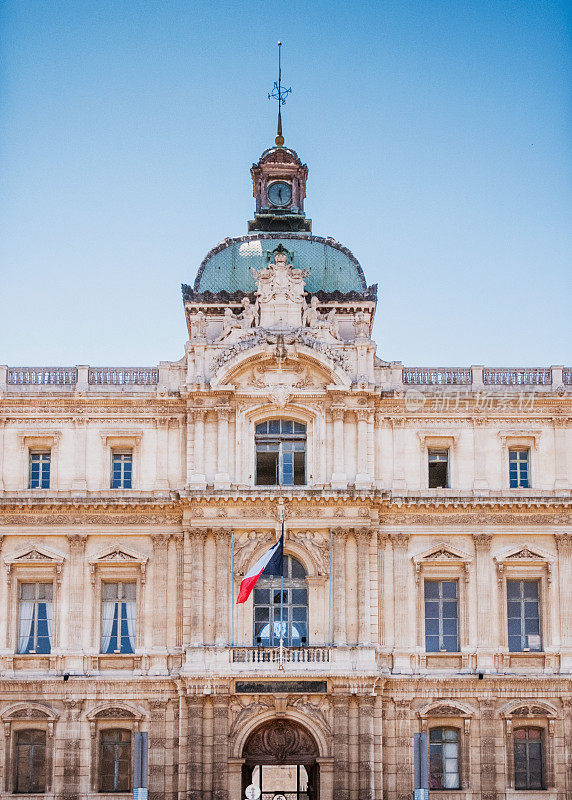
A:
x: 271, y: 563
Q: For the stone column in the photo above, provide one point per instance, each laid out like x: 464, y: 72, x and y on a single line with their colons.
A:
x: 480, y: 453
x: 208, y: 765
x: 350, y: 589
x: 485, y: 648
x: 71, y: 766
x: 222, y: 586
x: 161, y: 452
x: 388, y: 601
x: 220, y: 748
x: 189, y: 449
x: 488, y: 731
x: 160, y: 545
x: 341, y: 748
x: 564, y: 544
x: 209, y: 591
x: 402, y: 590
x: 2, y: 436
x: 339, y: 598
x: 403, y: 748
x: 196, y: 542
x: 398, y: 484
x: 353, y: 715
x: 363, y: 536
x: 157, y: 748
x: 366, y: 751
x: 560, y: 453
x: 175, y: 603
x: 79, y: 482
x: 222, y: 477
x: 339, y: 476
x: 198, y: 477
x: 363, y: 478
x: 195, y: 764
x: 74, y: 627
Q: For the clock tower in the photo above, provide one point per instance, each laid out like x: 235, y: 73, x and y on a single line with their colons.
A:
x: 279, y: 186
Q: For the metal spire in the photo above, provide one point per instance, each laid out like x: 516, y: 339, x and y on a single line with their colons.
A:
x: 279, y: 94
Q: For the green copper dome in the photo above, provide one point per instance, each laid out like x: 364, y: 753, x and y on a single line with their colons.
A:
x: 228, y: 265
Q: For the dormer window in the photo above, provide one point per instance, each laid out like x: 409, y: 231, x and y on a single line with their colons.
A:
x: 280, y: 453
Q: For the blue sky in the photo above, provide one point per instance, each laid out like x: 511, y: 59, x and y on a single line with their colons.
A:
x: 437, y: 134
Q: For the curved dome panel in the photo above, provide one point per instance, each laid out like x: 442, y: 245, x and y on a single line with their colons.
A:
x: 228, y: 266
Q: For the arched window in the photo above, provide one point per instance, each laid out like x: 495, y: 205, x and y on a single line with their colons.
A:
x: 115, y: 761
x: 30, y: 762
x: 444, y: 758
x: 528, y: 759
x: 294, y: 607
x: 280, y: 453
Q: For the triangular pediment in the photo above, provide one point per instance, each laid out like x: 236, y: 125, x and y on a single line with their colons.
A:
x: 441, y: 553
x: 35, y: 554
x: 118, y: 554
x: 523, y: 553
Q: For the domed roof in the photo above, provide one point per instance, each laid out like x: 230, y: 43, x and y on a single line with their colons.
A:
x: 227, y: 267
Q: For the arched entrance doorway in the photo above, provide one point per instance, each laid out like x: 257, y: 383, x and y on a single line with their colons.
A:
x: 281, y: 758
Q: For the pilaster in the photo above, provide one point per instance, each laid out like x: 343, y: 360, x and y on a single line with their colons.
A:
x: 485, y: 646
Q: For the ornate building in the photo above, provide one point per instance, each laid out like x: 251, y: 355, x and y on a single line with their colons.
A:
x: 428, y: 546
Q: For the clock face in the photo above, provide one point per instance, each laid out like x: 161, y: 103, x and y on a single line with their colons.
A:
x: 279, y: 193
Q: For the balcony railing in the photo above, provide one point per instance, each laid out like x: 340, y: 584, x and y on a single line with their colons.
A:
x: 511, y: 376
x: 438, y: 376
x: 41, y: 376
x: 122, y: 376
x: 280, y: 655
x: 567, y: 376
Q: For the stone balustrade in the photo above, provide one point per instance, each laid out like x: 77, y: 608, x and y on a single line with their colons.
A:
x: 41, y: 376
x: 280, y: 655
x: 120, y: 376
x: 475, y: 378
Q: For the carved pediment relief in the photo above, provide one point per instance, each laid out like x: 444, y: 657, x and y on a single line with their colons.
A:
x: 446, y: 710
x: 443, y: 555
x: 280, y: 742
x: 123, y: 711
x: 522, y: 556
x: 35, y: 555
x: 118, y: 556
x: 28, y: 711
x: 530, y: 708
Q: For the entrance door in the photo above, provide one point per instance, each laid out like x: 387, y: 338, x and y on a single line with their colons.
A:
x: 280, y: 758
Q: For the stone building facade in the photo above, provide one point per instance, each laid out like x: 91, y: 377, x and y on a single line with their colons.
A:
x: 428, y: 535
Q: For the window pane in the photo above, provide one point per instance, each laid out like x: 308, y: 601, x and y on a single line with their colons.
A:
x: 432, y: 644
x: 266, y: 469
x: 449, y: 588
x: 431, y: 589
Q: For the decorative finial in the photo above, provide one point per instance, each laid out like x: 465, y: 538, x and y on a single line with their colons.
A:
x: 279, y: 94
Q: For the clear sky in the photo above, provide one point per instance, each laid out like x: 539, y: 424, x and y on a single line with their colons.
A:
x: 438, y: 135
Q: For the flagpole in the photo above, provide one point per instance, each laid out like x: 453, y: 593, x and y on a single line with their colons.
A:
x: 330, y: 598
x: 232, y: 587
x: 282, y: 597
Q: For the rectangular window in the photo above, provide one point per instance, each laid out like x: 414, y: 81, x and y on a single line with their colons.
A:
x: 118, y: 617
x: 444, y: 758
x: 121, y: 470
x: 441, y: 617
x: 519, y: 469
x: 39, y: 474
x: 528, y: 758
x: 438, y: 464
x: 30, y: 762
x: 115, y: 761
x: 280, y: 453
x: 35, y: 618
x: 523, y: 612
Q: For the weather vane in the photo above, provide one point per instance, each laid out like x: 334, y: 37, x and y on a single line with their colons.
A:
x: 279, y: 94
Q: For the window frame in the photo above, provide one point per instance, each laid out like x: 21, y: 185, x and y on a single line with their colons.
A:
x: 280, y: 439
x: 35, y: 619
x: 32, y: 453
x: 121, y: 452
x: 121, y: 442
x: 290, y: 584
x: 520, y: 562
x: 104, y: 568
x: 519, y: 440
x: 15, y: 774
x: 440, y: 600
x: 117, y: 726
x: 543, y: 756
x: 35, y: 564
x: 522, y: 616
x: 438, y: 440
x: 459, y: 743
x: 118, y: 603
x: 518, y: 450
x: 42, y: 442
x: 443, y: 562
x: 436, y: 453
